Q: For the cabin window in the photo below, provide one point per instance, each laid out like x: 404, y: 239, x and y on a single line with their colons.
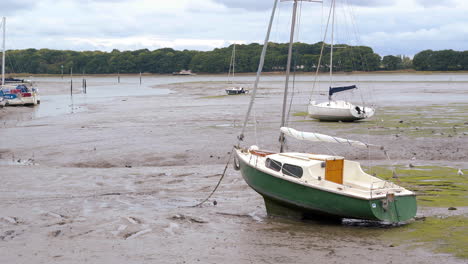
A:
x: 273, y: 164
x: 292, y: 170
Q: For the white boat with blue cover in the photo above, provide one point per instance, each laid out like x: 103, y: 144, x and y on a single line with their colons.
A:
x: 332, y: 110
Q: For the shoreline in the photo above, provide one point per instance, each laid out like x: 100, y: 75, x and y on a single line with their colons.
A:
x: 82, y: 185
x: 404, y: 72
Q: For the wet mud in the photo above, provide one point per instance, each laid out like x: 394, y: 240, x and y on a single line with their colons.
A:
x: 114, y: 177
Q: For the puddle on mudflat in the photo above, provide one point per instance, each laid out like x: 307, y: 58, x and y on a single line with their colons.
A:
x: 55, y: 105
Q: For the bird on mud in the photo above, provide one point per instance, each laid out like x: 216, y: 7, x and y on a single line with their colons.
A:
x: 460, y: 172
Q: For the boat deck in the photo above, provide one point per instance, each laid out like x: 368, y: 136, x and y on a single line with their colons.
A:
x: 326, y: 172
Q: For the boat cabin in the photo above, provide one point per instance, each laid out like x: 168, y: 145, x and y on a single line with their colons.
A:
x: 320, y: 170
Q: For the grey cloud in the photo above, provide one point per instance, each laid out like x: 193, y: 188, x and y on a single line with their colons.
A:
x: 369, y: 2
x: 268, y: 4
x: 433, y: 3
x: 247, y: 4
x: 12, y: 6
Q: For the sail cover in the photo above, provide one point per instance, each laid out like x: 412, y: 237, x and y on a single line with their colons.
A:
x: 340, y: 89
x: 310, y: 136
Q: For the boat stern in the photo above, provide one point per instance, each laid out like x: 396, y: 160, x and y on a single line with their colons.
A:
x: 393, y: 208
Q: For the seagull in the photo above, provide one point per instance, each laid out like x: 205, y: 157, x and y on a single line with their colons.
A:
x: 460, y: 172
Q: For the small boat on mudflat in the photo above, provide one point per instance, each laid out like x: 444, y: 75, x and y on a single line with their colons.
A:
x: 332, y: 110
x: 20, y: 95
x: 339, y: 111
x: 304, y: 185
x: 236, y: 90
x: 12, y: 93
x: 183, y: 73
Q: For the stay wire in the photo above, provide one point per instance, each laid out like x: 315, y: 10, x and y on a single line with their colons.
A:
x: 321, y: 53
x: 296, y: 55
x: 252, y: 99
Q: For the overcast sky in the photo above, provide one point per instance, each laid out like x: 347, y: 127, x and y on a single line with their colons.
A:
x: 389, y: 26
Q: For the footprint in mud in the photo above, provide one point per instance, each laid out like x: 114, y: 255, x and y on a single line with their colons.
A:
x: 211, y: 176
x: 55, y: 233
x: 8, y: 235
x: 11, y: 220
x: 183, y: 174
x: 134, y: 220
x: 53, y: 215
x: 191, y: 219
x: 135, y: 234
x: 174, y: 181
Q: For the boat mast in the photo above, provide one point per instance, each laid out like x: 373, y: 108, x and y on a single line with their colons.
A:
x: 233, y: 61
x: 331, y: 48
x: 3, y: 50
x: 232, y: 64
x: 288, y: 67
x: 288, y: 71
x: 259, y: 71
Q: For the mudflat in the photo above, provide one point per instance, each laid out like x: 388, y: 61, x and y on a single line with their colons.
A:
x: 112, y: 176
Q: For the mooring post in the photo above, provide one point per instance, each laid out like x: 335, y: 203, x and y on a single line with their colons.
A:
x: 71, y: 81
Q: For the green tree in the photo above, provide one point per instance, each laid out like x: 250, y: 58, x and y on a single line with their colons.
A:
x: 392, y: 63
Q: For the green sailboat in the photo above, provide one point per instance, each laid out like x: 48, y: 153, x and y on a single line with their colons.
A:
x: 303, y: 185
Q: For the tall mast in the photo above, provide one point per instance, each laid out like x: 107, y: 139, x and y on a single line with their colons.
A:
x: 288, y: 67
x: 231, y: 64
x: 259, y: 71
x: 3, y: 50
x: 331, y: 50
x: 288, y: 70
x: 233, y: 60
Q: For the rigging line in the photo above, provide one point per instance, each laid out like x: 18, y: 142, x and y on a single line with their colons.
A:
x: 321, y: 20
x: 355, y: 30
x: 259, y: 71
x: 288, y: 70
x: 255, y: 126
x: 394, y: 175
x: 358, y: 40
x: 296, y: 55
x: 321, y: 55
x: 331, y: 44
x: 329, y: 149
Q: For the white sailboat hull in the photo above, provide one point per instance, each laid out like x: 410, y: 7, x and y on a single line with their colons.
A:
x: 32, y: 100
x: 339, y: 111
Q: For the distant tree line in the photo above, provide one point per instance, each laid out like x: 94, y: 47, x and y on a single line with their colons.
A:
x: 346, y: 58
x: 443, y: 60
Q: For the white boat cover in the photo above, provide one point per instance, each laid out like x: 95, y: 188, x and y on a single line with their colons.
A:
x: 310, y: 136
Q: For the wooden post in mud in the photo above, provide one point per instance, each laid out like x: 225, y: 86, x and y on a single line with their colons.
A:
x: 140, y: 78
x: 71, y: 81
x: 118, y: 76
x: 83, y: 85
x: 83, y: 89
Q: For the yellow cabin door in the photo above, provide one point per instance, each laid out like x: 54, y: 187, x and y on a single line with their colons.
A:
x: 334, y: 171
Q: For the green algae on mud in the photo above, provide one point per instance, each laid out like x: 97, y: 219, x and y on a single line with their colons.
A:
x: 441, y: 234
x: 212, y: 97
x: 434, y: 186
x: 300, y: 114
x: 424, y: 121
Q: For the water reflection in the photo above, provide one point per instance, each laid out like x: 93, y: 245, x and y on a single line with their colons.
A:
x: 55, y: 105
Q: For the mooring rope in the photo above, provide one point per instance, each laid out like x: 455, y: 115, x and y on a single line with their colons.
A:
x: 252, y: 99
x: 219, y: 181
